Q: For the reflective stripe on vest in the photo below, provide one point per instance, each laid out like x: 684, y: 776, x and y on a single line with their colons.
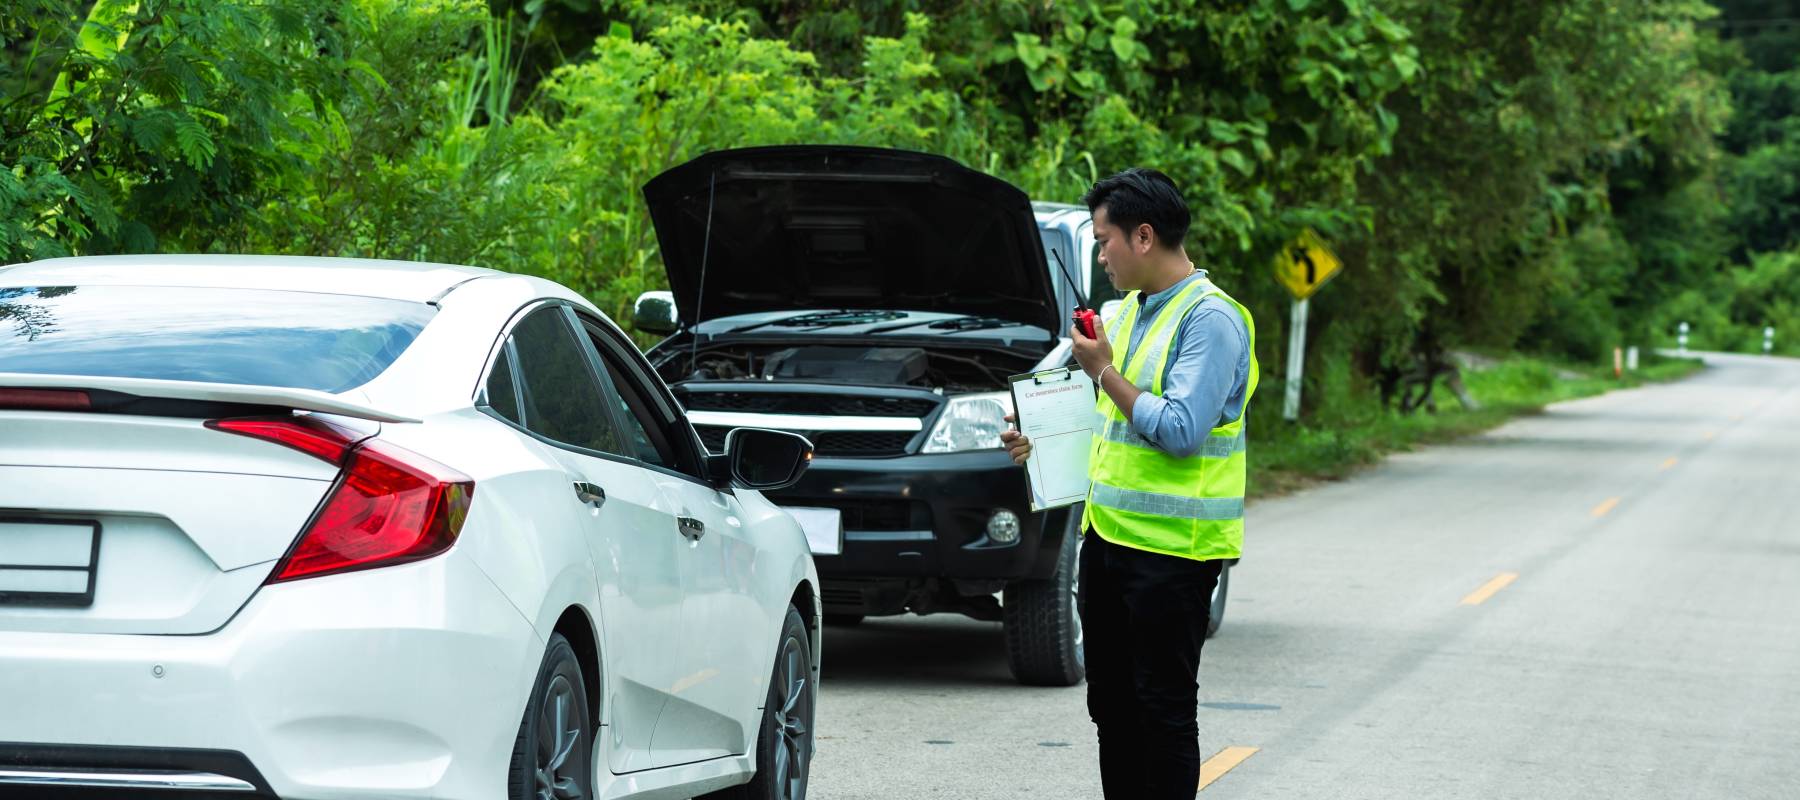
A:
x: 1215, y: 446
x: 1142, y: 497
x: 1168, y: 505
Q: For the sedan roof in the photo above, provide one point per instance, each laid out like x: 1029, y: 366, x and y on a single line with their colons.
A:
x: 398, y: 280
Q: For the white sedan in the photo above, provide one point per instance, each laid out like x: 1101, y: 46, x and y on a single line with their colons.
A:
x: 323, y: 528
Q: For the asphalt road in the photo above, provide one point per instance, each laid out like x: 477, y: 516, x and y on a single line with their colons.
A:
x: 1649, y: 646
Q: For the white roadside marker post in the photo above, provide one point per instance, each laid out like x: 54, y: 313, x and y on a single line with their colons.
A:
x: 1681, y: 338
x: 1768, y: 340
x: 1290, y: 407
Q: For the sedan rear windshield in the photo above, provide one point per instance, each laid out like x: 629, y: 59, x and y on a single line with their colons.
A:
x: 257, y: 337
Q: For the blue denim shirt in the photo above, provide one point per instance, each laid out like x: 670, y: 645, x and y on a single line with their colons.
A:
x: 1204, y: 383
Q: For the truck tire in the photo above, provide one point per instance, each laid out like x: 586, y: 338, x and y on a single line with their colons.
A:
x: 1043, y: 630
x: 1215, y: 612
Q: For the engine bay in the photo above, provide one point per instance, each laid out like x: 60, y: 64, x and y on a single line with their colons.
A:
x: 952, y: 372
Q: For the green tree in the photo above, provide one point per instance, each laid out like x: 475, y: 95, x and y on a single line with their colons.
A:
x: 1494, y: 210
x: 154, y: 124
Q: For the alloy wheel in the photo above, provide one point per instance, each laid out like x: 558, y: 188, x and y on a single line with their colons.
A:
x: 559, y: 738
x: 793, y: 721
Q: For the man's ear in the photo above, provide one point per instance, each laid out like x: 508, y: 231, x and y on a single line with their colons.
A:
x: 1143, y: 239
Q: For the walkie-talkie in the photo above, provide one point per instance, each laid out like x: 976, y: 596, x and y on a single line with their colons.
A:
x: 1084, y: 321
x: 1084, y: 318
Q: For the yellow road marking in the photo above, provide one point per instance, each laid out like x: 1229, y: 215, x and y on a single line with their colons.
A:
x: 1670, y: 462
x: 1482, y: 594
x: 1711, y: 435
x: 1611, y: 503
x: 1218, y: 765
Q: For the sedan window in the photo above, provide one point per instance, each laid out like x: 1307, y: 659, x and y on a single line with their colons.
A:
x: 256, y: 337
x: 500, y: 394
x: 562, y: 399
x: 638, y: 421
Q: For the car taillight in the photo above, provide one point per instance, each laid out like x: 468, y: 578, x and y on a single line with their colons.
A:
x: 389, y: 506
x: 316, y: 438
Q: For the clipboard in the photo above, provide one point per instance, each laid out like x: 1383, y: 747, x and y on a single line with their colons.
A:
x: 1055, y: 410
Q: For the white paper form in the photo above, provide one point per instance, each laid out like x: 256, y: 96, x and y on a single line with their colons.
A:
x: 1055, y: 410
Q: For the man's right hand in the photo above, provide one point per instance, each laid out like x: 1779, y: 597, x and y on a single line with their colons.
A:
x: 1017, y: 445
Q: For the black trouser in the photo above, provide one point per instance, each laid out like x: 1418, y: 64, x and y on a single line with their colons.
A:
x: 1143, y: 619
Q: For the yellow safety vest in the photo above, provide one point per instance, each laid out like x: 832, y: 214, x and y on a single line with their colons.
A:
x: 1144, y: 498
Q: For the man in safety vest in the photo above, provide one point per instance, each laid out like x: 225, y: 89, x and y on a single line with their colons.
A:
x: 1166, y: 507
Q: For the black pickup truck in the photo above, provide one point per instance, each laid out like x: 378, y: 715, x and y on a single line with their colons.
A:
x: 876, y: 301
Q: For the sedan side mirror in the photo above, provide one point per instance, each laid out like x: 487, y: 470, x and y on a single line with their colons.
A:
x: 761, y: 459
x: 655, y: 313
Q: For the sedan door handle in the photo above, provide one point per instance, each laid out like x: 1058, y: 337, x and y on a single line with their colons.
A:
x: 590, y: 494
x: 691, y: 528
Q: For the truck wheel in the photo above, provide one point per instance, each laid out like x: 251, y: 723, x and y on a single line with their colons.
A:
x: 1043, y: 630
x: 1215, y: 612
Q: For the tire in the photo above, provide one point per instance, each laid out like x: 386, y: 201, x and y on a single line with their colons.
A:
x: 843, y: 619
x: 553, y: 756
x: 1043, y: 630
x: 1215, y: 612
x: 784, y: 748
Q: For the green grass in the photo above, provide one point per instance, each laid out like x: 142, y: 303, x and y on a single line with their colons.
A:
x: 1285, y: 457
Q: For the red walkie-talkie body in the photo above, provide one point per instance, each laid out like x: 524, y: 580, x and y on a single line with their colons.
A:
x: 1085, y: 320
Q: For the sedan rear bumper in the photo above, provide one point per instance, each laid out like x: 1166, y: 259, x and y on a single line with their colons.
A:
x: 407, y: 681
x: 98, y: 771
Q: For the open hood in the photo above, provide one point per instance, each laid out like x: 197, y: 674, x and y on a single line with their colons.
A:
x: 827, y: 227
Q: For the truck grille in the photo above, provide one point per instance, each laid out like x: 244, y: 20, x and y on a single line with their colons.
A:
x: 861, y: 443
x: 810, y: 404
x: 839, y: 444
x: 713, y: 436
x: 873, y: 515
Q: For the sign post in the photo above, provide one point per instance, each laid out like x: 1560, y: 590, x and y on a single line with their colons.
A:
x: 1290, y: 405
x: 1681, y: 337
x: 1768, y: 340
x: 1302, y: 266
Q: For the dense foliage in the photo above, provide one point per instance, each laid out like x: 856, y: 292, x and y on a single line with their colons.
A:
x: 1555, y: 176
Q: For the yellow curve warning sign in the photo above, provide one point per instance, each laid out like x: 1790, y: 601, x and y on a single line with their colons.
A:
x: 1305, y: 264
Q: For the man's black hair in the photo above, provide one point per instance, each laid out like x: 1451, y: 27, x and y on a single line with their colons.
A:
x: 1142, y: 195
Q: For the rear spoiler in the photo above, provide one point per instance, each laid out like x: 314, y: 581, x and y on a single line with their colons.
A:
x: 297, y: 399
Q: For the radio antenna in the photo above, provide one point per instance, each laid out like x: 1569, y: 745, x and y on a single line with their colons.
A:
x: 1080, y: 301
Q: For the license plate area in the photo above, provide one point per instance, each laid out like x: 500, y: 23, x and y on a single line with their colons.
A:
x: 824, y: 529
x: 48, y: 562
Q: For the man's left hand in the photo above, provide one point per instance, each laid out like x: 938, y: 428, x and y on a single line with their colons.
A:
x: 1092, y: 354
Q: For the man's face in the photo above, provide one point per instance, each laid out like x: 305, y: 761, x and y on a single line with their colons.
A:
x: 1124, y: 254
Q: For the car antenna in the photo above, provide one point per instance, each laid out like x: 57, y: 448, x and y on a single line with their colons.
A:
x: 712, y: 187
x: 1082, y: 316
x: 1073, y: 286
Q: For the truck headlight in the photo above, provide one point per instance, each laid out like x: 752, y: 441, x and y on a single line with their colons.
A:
x: 970, y: 422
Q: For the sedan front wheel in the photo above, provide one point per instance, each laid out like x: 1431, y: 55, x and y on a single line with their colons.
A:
x: 784, y: 749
